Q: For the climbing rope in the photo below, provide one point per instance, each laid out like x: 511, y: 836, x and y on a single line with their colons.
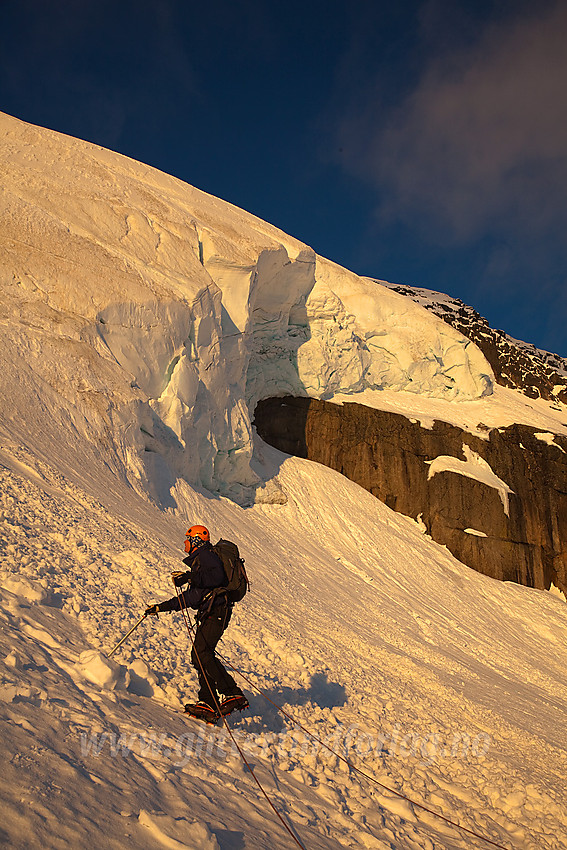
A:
x: 191, y: 631
x: 299, y: 725
x: 357, y: 769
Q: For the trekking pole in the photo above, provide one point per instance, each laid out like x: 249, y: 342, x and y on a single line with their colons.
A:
x: 120, y: 642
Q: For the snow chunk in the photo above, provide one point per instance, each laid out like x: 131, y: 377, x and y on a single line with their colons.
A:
x: 140, y: 679
x: 473, y: 467
x: 97, y: 668
x: 398, y: 806
x: 556, y: 591
x: 41, y: 635
x: 14, y: 660
x: 29, y: 590
x: 173, y: 833
x: 474, y: 532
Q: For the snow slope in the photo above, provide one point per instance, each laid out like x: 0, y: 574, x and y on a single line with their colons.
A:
x: 141, y: 319
x: 445, y: 685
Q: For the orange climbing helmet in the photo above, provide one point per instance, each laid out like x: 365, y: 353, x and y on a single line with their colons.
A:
x: 197, y: 535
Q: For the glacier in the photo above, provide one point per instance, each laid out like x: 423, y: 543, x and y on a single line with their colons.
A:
x: 161, y: 316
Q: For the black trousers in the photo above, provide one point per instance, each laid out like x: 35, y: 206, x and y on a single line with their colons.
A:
x: 213, y: 678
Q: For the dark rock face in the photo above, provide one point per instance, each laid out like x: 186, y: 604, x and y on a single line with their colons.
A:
x: 388, y: 455
x: 516, y: 364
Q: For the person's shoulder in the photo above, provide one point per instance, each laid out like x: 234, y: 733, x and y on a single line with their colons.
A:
x: 207, y: 554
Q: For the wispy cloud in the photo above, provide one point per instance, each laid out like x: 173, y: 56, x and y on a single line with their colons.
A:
x: 481, y: 140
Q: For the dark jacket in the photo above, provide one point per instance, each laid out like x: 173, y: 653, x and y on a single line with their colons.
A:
x: 205, y: 571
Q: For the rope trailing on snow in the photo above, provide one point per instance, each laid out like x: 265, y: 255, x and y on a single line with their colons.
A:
x: 190, y: 632
x: 357, y: 769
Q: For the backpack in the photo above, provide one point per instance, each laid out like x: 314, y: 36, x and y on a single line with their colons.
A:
x: 237, y: 580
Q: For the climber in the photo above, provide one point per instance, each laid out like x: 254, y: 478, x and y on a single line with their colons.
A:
x: 206, y: 576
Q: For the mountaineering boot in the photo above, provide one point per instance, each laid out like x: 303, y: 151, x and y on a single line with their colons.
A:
x: 233, y: 702
x: 202, y: 711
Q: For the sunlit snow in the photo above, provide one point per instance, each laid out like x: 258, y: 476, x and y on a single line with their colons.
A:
x: 141, y: 319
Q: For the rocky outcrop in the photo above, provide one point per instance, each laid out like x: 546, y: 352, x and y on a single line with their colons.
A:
x: 499, y: 504
x: 518, y: 365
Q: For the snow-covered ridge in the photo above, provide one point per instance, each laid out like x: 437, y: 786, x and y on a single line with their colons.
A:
x: 518, y: 365
x: 161, y: 315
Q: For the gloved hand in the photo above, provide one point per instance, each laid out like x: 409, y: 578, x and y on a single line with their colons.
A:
x: 151, y: 609
x: 179, y: 578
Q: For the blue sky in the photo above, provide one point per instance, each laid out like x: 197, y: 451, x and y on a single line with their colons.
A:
x: 423, y: 141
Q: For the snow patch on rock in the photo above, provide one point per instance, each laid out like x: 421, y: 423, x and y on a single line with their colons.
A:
x: 549, y: 439
x: 473, y: 467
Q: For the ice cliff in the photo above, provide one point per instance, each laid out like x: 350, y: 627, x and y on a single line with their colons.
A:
x: 154, y: 317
